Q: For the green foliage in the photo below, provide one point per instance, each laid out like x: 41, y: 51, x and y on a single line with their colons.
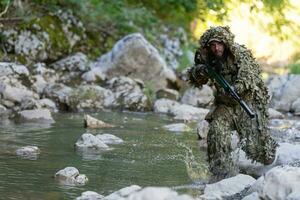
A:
x: 149, y: 92
x: 185, y: 60
x: 294, y: 68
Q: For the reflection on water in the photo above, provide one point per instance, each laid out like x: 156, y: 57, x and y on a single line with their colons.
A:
x: 149, y: 156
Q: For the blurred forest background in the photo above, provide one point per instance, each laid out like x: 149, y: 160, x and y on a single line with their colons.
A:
x: 271, y: 28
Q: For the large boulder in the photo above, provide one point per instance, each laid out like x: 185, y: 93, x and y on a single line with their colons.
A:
x: 70, y: 176
x: 60, y: 93
x: 198, y: 97
x: 109, y: 138
x: 167, y: 94
x: 75, y: 62
x: 135, y: 57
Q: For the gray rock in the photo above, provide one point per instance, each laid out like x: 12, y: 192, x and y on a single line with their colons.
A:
x: 274, y: 114
x: 253, y: 196
x: 109, y: 139
x: 167, y: 94
x: 90, y: 195
x: 293, y: 196
x: 135, y: 57
x: 70, y: 176
x: 202, y: 129
x: 122, y: 193
x: 94, y: 75
x: 38, y: 115
x: 164, y: 105
x: 188, y: 113
x: 48, y: 104
x: 91, y: 98
x: 76, y: 62
x: 39, y: 84
x: 227, y: 187
x: 178, y: 127
x: 129, y: 95
x: 89, y: 142
x: 280, y: 182
x: 5, y: 69
x: 28, y: 103
x: 157, y: 193
x: 28, y: 152
x: 284, y: 93
x: 198, y: 97
x: 58, y: 92
x: 16, y: 94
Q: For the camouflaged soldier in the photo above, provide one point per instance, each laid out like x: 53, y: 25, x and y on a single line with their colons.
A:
x: 239, y: 68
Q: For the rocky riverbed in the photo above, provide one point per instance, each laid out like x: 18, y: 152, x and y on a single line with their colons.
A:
x: 47, y: 153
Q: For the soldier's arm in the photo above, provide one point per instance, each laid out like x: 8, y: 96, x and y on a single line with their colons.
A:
x: 196, y: 74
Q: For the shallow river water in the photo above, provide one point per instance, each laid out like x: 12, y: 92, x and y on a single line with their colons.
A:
x: 149, y: 156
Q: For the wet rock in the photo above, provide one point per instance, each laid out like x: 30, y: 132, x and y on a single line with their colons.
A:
x: 198, y: 97
x: 279, y: 183
x: 188, y: 113
x: 109, y: 139
x: 179, y: 127
x: 38, y: 115
x: 202, y: 129
x: 274, y: 114
x: 28, y: 152
x: 157, y: 193
x: 92, y: 122
x: 129, y: 95
x: 135, y: 57
x: 70, y: 176
x: 75, y: 62
x: 167, y: 94
x: 122, y: 193
x: 90, y: 195
x: 164, y: 105
x: 89, y: 142
x: 227, y: 188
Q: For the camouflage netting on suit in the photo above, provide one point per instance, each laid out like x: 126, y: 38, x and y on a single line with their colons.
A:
x: 242, y: 71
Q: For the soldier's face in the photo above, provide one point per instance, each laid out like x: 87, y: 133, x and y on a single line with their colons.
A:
x: 217, y: 48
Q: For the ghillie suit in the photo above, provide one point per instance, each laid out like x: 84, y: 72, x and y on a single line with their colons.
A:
x: 242, y: 72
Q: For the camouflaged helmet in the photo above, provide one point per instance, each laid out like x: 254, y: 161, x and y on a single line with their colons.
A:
x: 218, y: 33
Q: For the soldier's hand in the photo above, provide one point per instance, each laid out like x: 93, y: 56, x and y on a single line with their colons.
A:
x: 199, y: 71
